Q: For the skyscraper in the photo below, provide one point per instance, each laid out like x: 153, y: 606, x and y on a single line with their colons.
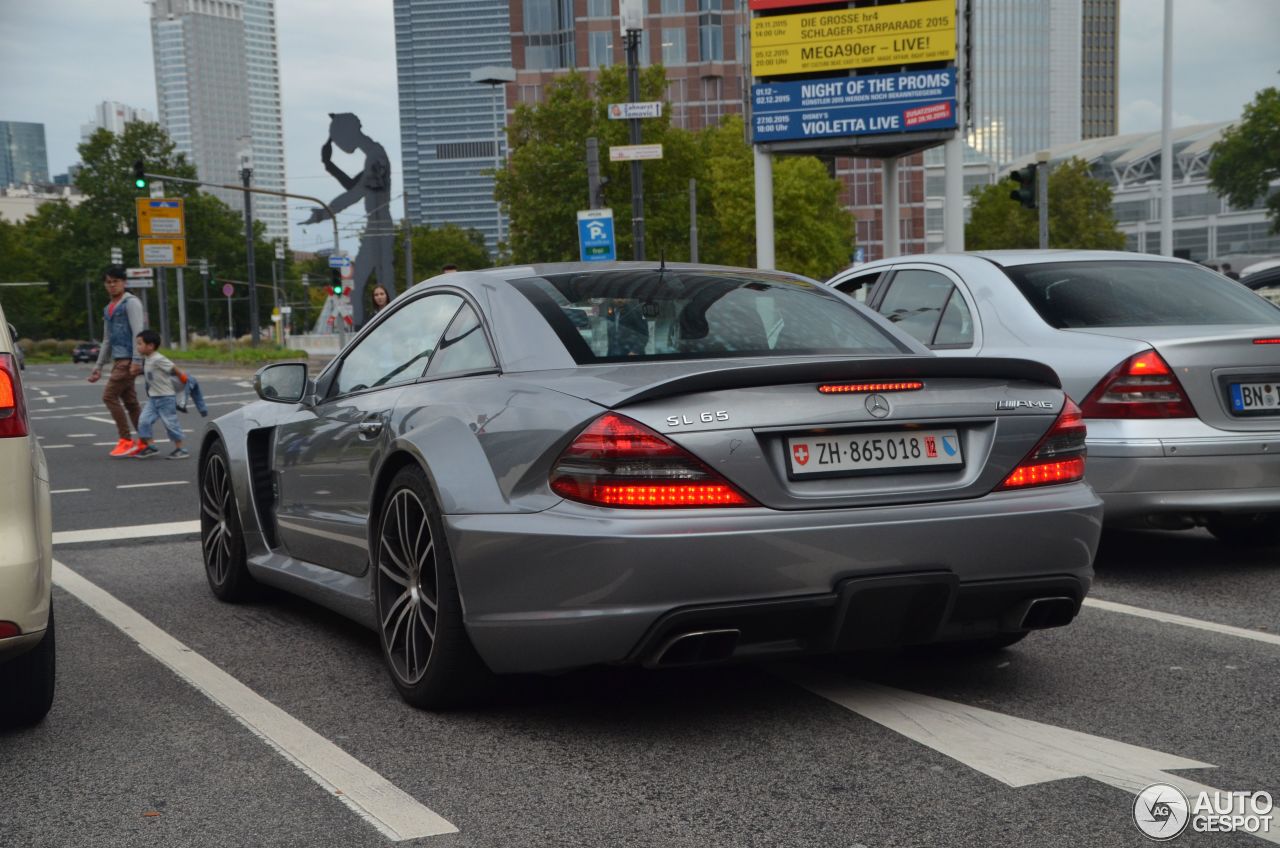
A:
x: 1099, y: 87
x: 447, y: 122
x: 23, y: 158
x: 217, y: 86
x: 112, y: 116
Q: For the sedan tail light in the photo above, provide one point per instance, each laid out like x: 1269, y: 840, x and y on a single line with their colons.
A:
x: 1056, y: 458
x: 619, y: 462
x: 13, y: 412
x: 1143, y: 386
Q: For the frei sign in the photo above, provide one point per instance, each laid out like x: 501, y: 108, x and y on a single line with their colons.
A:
x: 595, y: 235
x: 899, y: 34
x: 633, y: 152
x: 853, y: 106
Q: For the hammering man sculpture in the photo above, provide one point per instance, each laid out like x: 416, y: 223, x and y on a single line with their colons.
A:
x: 373, y: 184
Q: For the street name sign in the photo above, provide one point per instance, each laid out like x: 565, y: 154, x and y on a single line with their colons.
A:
x: 634, y: 152
x: 595, y: 235
x: 339, y: 261
x: 139, y: 278
x: 160, y: 216
x: 627, y: 111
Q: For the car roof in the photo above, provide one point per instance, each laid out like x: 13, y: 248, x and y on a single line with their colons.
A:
x: 1013, y: 258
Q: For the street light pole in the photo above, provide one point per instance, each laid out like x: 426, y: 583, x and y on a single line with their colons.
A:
x: 495, y: 76
x: 255, y: 331
x: 637, y: 178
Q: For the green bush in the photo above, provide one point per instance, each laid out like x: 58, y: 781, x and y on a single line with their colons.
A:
x: 66, y: 348
x: 46, y: 347
x: 28, y: 346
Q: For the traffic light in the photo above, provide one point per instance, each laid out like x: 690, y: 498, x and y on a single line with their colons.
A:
x: 1026, y: 191
x: 139, y: 174
x: 336, y: 285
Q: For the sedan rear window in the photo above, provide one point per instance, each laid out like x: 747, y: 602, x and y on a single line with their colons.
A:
x: 630, y: 315
x: 1136, y: 294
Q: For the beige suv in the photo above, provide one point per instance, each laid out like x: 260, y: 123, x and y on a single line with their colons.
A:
x: 26, y: 556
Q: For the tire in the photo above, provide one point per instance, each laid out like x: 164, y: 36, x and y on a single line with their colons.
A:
x: 419, y: 613
x: 1256, y: 530
x: 27, y: 682
x: 221, y: 535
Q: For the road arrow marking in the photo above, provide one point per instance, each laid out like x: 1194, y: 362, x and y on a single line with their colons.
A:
x: 1015, y: 751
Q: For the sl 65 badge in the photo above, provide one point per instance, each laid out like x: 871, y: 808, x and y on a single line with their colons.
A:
x: 700, y: 418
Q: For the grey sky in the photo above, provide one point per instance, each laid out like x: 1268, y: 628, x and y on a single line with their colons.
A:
x: 59, y: 58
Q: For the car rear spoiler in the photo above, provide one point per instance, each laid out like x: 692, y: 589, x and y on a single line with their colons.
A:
x: 837, y: 370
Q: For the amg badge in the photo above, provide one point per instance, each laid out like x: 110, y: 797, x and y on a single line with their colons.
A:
x: 1024, y: 404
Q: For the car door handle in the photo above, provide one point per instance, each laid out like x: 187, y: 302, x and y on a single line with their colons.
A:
x: 370, y: 428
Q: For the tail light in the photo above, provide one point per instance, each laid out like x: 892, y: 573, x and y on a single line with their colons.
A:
x: 618, y: 462
x: 13, y: 412
x: 1057, y: 458
x: 1143, y: 386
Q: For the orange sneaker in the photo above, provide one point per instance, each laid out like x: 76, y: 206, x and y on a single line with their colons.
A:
x: 123, y: 447
x: 135, y: 448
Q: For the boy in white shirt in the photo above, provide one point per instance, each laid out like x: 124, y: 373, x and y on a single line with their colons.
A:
x: 162, y: 402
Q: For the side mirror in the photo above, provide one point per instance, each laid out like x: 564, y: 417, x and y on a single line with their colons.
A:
x: 282, y: 382
x: 13, y: 333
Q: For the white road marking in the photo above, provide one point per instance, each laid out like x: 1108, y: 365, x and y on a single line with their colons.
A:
x: 65, y: 491
x: 1015, y: 751
x: 52, y: 398
x: 82, y: 436
x: 55, y: 447
x: 152, y: 485
x: 1170, y: 618
x: 89, y: 418
x: 136, y: 531
x: 245, y: 383
x: 395, y: 813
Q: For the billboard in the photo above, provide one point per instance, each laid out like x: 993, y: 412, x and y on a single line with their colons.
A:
x: 900, y: 34
x: 785, y: 4
x: 910, y: 101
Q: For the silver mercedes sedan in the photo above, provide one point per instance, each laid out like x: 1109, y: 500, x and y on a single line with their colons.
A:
x: 540, y: 468
x: 1176, y: 368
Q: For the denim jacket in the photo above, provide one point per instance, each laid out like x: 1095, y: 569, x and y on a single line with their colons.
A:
x: 119, y: 329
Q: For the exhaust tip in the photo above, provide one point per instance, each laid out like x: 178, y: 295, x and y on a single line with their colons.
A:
x: 1043, y: 613
x: 696, y: 647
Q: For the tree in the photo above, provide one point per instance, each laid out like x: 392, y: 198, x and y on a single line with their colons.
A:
x: 1080, y: 214
x: 435, y: 247
x: 1246, y: 160
x: 70, y: 246
x: 814, y: 234
x: 545, y: 184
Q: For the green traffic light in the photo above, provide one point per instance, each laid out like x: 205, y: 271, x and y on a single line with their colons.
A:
x: 140, y: 183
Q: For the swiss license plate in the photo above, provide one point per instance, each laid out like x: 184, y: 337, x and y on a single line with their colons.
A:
x: 1255, y: 397
x: 875, y: 451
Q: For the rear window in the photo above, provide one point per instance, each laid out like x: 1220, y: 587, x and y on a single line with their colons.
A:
x: 1133, y: 294
x: 614, y: 316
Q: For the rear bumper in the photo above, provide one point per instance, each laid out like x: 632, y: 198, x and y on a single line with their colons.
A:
x: 575, y: 586
x: 1155, y: 477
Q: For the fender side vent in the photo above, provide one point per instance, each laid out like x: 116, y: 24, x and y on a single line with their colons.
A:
x: 260, y: 478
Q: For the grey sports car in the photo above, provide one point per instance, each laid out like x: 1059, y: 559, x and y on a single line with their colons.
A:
x: 540, y: 468
x: 1177, y: 369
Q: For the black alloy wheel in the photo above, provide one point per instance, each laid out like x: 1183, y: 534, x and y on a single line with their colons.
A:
x: 424, y: 642
x: 221, y: 537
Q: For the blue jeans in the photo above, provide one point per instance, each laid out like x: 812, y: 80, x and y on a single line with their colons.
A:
x: 191, y: 389
x: 164, y: 408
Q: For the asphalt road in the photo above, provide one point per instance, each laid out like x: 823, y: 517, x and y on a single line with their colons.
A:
x: 134, y: 754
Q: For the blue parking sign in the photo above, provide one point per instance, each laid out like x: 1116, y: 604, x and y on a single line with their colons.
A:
x: 595, y: 235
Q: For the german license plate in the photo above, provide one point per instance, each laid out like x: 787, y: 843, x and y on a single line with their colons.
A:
x: 875, y: 451
x: 1255, y: 397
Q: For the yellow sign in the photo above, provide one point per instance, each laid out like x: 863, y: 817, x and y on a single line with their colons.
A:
x: 900, y: 34
x: 165, y: 252
x: 160, y: 216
